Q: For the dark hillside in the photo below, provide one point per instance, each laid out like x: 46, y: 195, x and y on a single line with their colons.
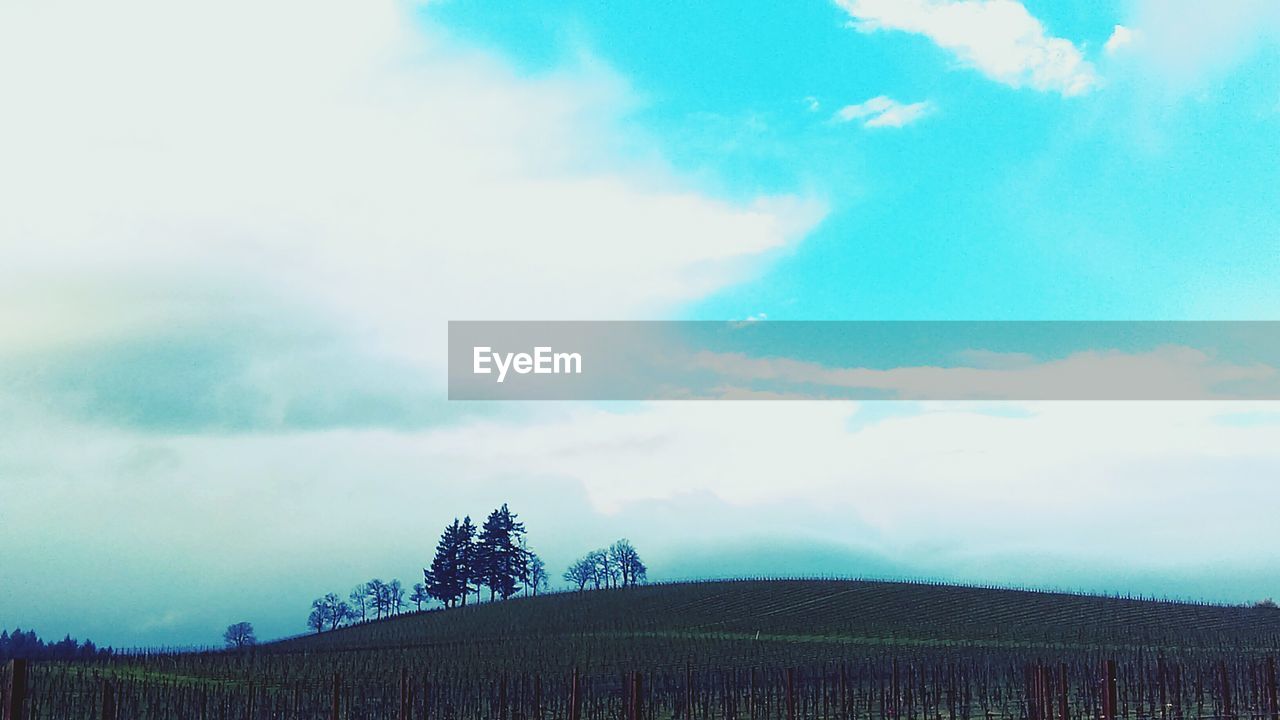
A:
x: 744, y: 622
x: 807, y: 650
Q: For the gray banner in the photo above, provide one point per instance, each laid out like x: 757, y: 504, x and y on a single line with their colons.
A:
x: 864, y: 360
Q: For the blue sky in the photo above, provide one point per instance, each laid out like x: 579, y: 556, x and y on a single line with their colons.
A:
x: 1151, y: 196
x: 227, y: 274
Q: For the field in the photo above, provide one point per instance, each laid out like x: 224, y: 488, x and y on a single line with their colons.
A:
x: 741, y: 649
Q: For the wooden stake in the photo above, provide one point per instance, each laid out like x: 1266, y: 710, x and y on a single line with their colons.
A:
x: 17, y: 705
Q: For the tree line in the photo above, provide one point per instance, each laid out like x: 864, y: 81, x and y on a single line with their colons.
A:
x: 470, y: 560
x: 618, y: 565
x: 376, y: 599
x: 28, y: 646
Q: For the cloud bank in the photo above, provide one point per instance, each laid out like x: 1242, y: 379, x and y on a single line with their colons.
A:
x: 304, y: 199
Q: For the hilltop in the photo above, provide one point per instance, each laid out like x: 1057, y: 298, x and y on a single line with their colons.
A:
x: 743, y: 622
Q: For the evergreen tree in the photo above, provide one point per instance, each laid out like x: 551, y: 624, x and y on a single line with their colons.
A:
x: 29, y: 646
x: 441, y: 578
x: 501, y: 557
x: 468, y: 559
x: 449, y: 577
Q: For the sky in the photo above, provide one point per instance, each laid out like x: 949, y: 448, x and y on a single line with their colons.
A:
x: 233, y: 234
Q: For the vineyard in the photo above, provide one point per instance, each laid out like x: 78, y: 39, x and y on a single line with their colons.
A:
x: 741, y: 650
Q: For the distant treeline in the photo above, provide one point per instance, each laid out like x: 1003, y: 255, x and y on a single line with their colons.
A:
x: 28, y: 646
x: 469, y: 560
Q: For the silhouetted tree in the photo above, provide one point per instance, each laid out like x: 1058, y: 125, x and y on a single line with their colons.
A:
x: 360, y: 601
x: 448, y: 579
x: 620, y: 564
x: 28, y: 646
x: 329, y: 612
x: 379, y: 597
x: 535, y: 571
x: 501, y: 560
x: 339, y: 611
x: 240, y: 635
x: 317, y: 620
x: 581, y: 572
x: 468, y: 552
x: 624, y: 558
x: 419, y: 595
x: 395, y: 597
x: 602, y: 571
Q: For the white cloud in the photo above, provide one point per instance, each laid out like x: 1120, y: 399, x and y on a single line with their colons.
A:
x: 165, y: 164
x: 1000, y: 38
x: 883, y: 111
x: 1121, y: 37
x: 340, y: 172
x: 973, y: 476
x: 326, y: 165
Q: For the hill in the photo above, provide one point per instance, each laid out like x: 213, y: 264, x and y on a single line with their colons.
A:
x: 798, y: 621
x: 796, y: 649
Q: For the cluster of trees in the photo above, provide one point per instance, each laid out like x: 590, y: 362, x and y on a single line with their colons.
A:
x: 618, y: 565
x: 376, y: 599
x: 496, y: 557
x: 28, y: 646
x: 469, y: 560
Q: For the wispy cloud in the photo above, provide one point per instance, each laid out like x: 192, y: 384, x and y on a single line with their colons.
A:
x: 884, y: 111
x: 999, y: 38
x: 1121, y: 37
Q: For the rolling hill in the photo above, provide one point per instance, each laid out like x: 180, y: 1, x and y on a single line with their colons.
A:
x: 797, y: 621
x: 793, y: 649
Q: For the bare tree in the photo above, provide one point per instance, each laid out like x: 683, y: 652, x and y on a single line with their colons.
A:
x: 240, y: 635
x: 328, y: 612
x: 376, y: 591
x: 618, y: 565
x: 395, y: 597
x: 338, y: 610
x: 627, y: 562
x: 317, y: 620
x: 360, y: 601
x: 581, y: 572
x: 604, y: 573
x: 535, y: 573
x: 419, y: 595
